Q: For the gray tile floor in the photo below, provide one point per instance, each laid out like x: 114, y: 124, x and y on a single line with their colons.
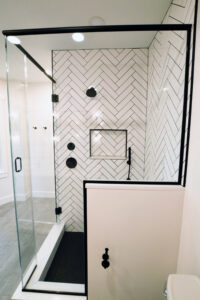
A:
x: 9, y: 259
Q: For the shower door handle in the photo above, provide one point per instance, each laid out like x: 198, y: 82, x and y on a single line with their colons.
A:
x: 16, y: 164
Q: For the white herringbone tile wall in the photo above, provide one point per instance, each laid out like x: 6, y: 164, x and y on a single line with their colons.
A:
x: 166, y: 73
x: 153, y: 118
x: 120, y: 76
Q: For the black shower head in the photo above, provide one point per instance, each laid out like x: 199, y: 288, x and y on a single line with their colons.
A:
x: 91, y: 92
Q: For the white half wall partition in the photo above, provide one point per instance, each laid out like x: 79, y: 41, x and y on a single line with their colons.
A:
x: 140, y: 225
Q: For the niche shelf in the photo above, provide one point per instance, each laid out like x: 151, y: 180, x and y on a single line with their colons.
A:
x: 108, y: 143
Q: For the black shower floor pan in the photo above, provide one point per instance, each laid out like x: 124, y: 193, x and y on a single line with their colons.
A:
x: 68, y: 265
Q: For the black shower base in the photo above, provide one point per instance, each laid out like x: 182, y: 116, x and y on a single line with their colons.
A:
x: 68, y: 265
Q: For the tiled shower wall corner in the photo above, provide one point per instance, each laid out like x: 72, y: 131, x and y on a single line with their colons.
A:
x: 166, y: 73
x: 120, y: 76
x: 165, y: 106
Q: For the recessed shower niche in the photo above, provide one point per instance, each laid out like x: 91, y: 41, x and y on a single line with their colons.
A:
x: 132, y: 127
x: 108, y: 143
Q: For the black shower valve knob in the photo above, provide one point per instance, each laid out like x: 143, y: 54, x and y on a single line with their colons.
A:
x: 105, y: 263
x: 91, y: 92
x: 105, y: 256
x: 71, y: 146
x: 71, y: 162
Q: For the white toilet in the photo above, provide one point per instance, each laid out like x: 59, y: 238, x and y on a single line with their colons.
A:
x: 183, y: 287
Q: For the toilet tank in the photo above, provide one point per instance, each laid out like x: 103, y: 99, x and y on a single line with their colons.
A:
x: 183, y: 287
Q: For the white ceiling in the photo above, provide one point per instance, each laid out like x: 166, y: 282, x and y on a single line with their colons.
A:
x: 18, y: 14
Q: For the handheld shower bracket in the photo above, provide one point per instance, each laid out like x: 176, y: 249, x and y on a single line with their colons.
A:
x: 129, y: 162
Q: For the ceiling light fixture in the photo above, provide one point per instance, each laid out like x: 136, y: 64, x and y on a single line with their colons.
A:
x: 96, y: 21
x: 78, y: 37
x: 14, y: 40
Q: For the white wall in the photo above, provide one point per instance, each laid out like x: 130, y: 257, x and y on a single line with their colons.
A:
x: 39, y: 108
x: 32, y: 105
x: 189, y: 256
x: 6, y: 176
x: 142, y: 236
x: 20, y: 141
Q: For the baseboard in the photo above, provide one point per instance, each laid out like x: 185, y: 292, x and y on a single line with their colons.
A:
x: 6, y: 199
x: 23, y: 197
x: 43, y: 194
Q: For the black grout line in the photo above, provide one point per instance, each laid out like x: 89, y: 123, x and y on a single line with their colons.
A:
x: 177, y: 5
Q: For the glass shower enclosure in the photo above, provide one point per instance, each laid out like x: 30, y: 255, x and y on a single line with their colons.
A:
x: 112, y: 109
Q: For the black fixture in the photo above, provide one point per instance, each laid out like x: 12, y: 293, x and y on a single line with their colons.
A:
x: 45, y: 127
x: 123, y: 28
x: 71, y: 163
x: 91, y: 92
x: 99, y: 28
x: 58, y: 210
x: 16, y: 164
x: 35, y: 127
x: 105, y: 263
x: 129, y: 162
x: 30, y: 57
x: 71, y: 146
x: 54, y: 98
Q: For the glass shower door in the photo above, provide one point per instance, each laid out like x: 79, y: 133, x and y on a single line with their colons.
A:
x: 16, y: 86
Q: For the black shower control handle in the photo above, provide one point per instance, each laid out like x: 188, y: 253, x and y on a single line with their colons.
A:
x: 105, y: 256
x: 105, y: 263
x: 129, y: 156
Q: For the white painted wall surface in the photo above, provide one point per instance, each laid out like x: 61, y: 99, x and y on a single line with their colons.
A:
x: 39, y: 108
x: 189, y: 256
x: 141, y: 227
x: 37, y: 104
x: 17, y: 98
x: 6, y: 194
x: 20, y: 140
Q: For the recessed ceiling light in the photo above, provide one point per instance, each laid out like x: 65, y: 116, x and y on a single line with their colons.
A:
x: 48, y: 72
x: 78, y: 37
x: 14, y: 40
x: 95, y: 21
